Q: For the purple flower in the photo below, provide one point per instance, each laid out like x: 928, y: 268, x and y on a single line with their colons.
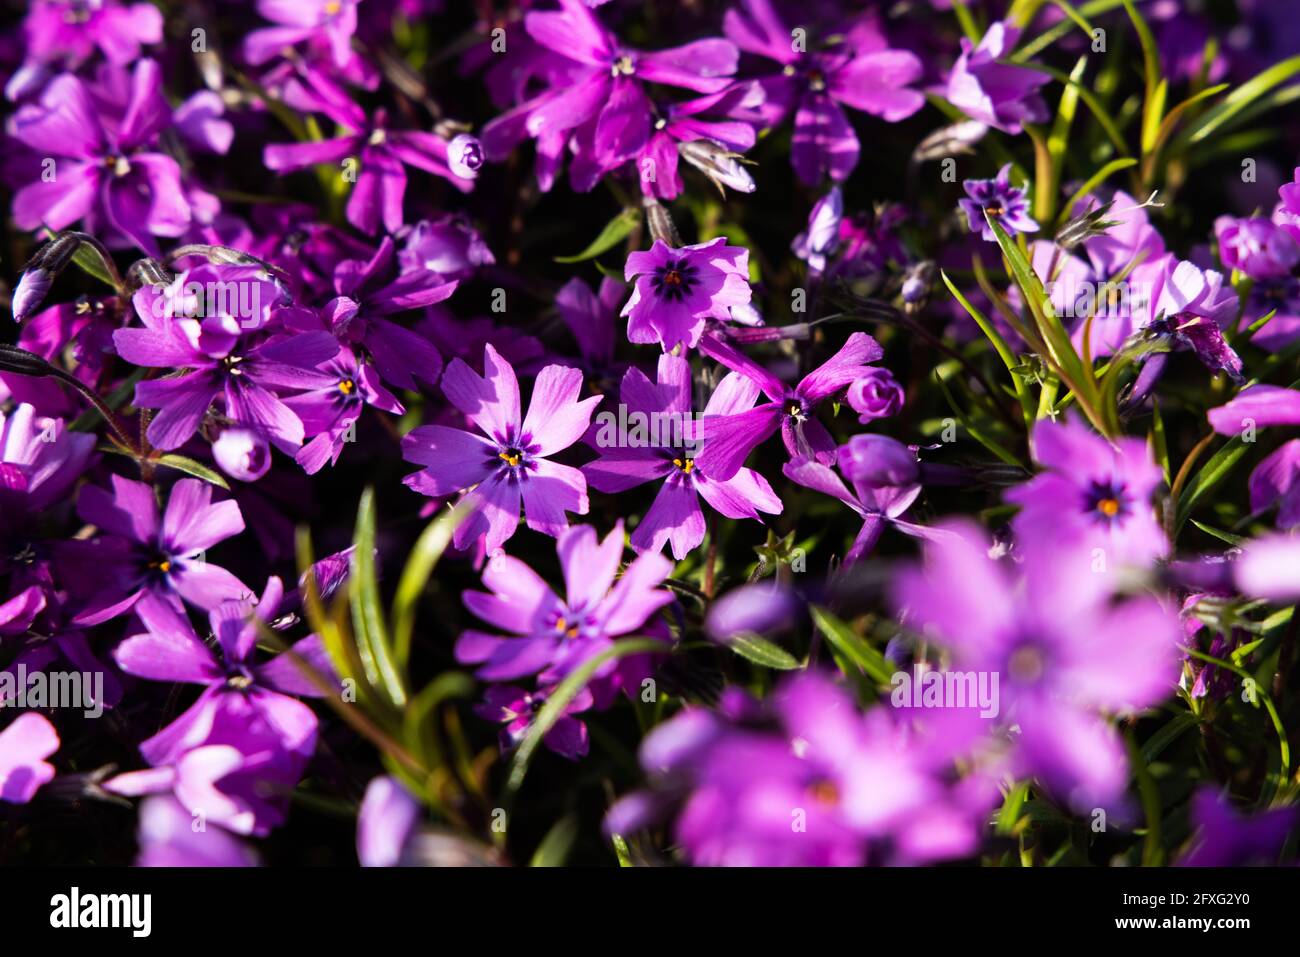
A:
x: 860, y: 71
x: 995, y: 93
x: 1190, y: 307
x: 886, y: 482
x: 1276, y: 481
x: 510, y: 460
x: 329, y: 413
x: 728, y: 440
x: 759, y: 608
x: 663, y: 445
x: 516, y: 709
x: 333, y: 21
x: 144, y: 555
x: 371, y: 290
x: 676, y: 290
x: 447, y: 246
x: 1256, y: 407
x: 244, y: 703
x: 1095, y: 495
x: 829, y: 787
x: 67, y: 32
x: 1258, y: 247
x: 590, y: 316
x: 554, y: 635
x: 997, y: 200
x: 1227, y: 838
x: 822, y: 237
x: 876, y: 395
x: 1269, y: 568
x: 208, y: 322
x: 381, y: 153
x: 387, y: 816
x: 167, y: 838
x: 711, y: 145
x: 595, y: 96
x: 1062, y: 651
x: 105, y: 167
x: 39, y: 461
x: 24, y: 746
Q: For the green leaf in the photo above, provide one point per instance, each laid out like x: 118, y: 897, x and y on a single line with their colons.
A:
x: 89, y: 261
x: 1167, y: 735
x: 1220, y: 534
x: 1226, y: 112
x: 760, y: 651
x: 555, y: 846
x: 1210, y: 476
x: 420, y: 563
x: 615, y: 231
x: 191, y: 467
x: 367, y: 613
x: 851, y: 645
x: 564, y: 693
x: 418, y: 729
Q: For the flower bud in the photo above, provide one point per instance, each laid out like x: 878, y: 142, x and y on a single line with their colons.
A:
x: 465, y: 156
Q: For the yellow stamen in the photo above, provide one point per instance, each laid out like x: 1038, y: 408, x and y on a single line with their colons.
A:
x: 347, y: 386
x: 1108, y: 507
x: 510, y: 458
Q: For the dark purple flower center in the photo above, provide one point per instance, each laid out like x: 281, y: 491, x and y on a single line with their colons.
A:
x: 995, y: 209
x: 674, y: 280
x: 823, y: 790
x: 1107, y: 502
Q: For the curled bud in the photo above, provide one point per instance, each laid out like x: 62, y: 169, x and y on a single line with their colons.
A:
x: 917, y: 282
x: 875, y: 396
x: 878, y: 461
x: 718, y: 163
x: 660, y: 222
x: 242, y: 454
x: 33, y: 286
x: 465, y: 156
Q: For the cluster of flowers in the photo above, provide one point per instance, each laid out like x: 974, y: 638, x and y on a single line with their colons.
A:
x: 258, y: 327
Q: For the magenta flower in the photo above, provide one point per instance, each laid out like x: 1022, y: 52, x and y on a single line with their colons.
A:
x: 24, y: 746
x: 106, y: 168
x: 1000, y: 201
x: 167, y: 838
x: 1276, y: 481
x: 516, y: 709
x: 381, y: 153
x: 329, y: 413
x: 1258, y: 247
x: 885, y: 477
x: 369, y: 291
x: 1063, y: 652
x: 677, y: 290
x: 681, y: 130
x: 225, y: 354
x: 595, y: 95
x: 1094, y: 494
x: 1257, y: 407
x: 333, y: 21
x: 554, y: 635
x: 1226, y: 837
x: 629, y: 459
x: 388, y: 815
x: 39, y: 462
x: 244, y: 703
x: 860, y: 72
x: 996, y: 94
x: 728, y: 440
x: 816, y: 244
x: 828, y: 786
x: 66, y: 33
x: 143, y: 554
x: 877, y: 395
x: 510, y: 461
